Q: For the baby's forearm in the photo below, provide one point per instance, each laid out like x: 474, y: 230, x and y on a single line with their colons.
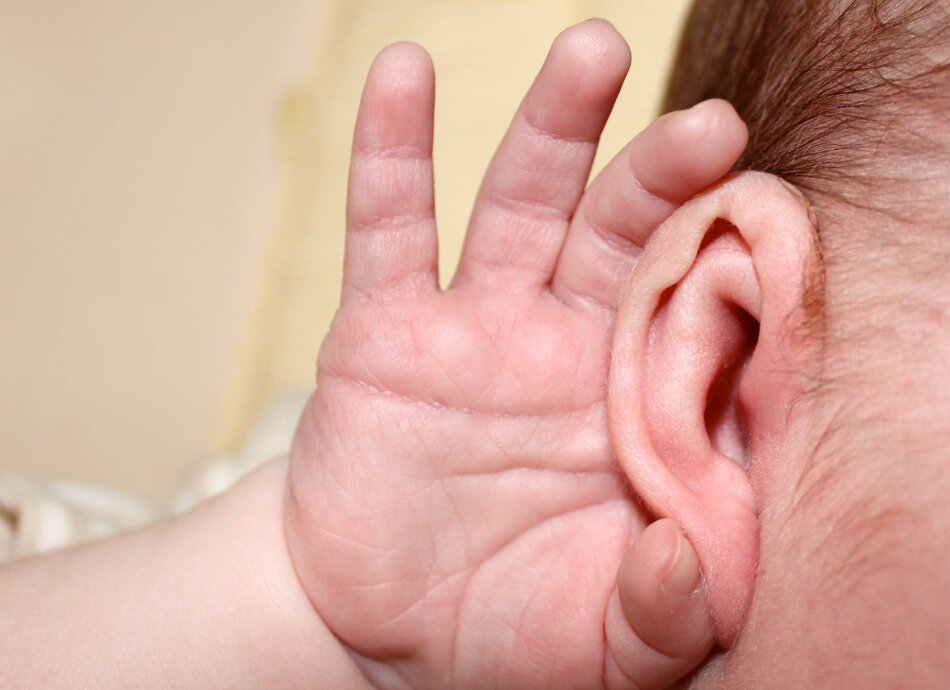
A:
x: 207, y: 599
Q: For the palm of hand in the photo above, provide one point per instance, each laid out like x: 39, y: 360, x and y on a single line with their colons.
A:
x: 454, y: 458
x: 455, y: 514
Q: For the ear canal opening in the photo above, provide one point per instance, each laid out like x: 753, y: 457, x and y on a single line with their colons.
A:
x: 725, y: 415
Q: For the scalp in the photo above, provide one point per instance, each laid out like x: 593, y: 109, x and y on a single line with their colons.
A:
x: 841, y: 97
x: 847, y: 101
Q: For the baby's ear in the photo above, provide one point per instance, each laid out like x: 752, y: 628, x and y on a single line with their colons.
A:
x: 709, y: 354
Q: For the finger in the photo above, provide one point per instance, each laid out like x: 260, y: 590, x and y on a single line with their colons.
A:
x: 533, y: 184
x: 674, y: 158
x: 658, y: 623
x: 391, y: 239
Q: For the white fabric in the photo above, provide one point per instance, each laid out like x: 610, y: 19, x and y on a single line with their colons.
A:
x: 38, y: 516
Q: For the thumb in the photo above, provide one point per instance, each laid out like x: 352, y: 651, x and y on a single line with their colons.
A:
x: 658, y: 624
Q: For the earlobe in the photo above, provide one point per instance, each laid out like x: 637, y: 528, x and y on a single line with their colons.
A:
x: 707, y: 360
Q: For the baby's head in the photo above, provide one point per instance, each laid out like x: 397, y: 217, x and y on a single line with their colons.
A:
x: 847, y: 100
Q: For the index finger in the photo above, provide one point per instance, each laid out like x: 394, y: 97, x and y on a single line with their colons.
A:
x: 674, y: 158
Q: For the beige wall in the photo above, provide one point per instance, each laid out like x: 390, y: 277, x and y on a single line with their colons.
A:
x: 137, y: 181
x: 172, y: 200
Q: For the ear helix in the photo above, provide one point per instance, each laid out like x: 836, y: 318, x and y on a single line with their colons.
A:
x: 677, y: 325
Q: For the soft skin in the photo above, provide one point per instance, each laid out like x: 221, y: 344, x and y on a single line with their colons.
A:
x: 451, y: 514
x: 818, y: 512
x: 837, y: 474
x: 208, y: 599
x: 456, y: 514
x: 710, y: 354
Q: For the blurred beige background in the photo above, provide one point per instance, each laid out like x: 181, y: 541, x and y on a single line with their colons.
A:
x: 171, y: 200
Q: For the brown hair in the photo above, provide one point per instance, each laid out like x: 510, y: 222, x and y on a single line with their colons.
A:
x: 847, y: 100
x: 841, y: 96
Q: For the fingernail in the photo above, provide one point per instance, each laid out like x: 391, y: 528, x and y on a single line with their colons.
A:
x: 682, y: 577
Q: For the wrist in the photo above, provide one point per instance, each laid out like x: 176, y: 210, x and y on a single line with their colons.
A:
x: 279, y: 639
x: 206, y: 599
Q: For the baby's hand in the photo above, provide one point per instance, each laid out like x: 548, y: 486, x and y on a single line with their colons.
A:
x: 456, y: 515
